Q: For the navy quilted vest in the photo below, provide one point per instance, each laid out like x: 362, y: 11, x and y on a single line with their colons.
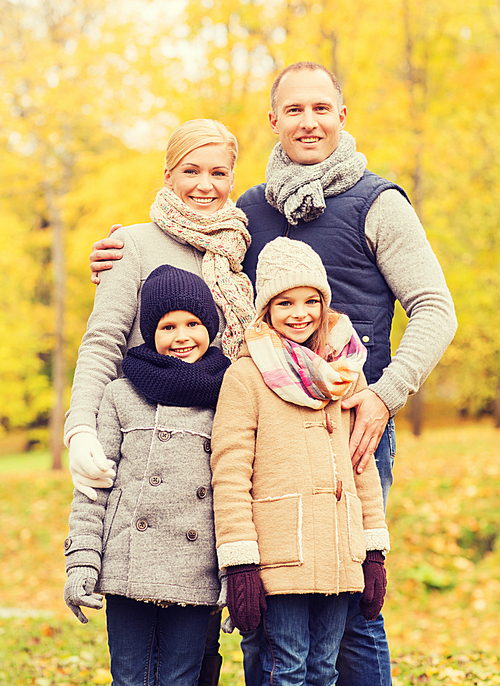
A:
x: 338, y: 236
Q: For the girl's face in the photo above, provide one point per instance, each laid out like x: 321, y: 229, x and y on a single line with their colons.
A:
x: 203, y: 178
x: 181, y: 335
x: 296, y: 313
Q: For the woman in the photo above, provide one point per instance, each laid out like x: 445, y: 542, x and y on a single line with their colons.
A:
x: 194, y: 227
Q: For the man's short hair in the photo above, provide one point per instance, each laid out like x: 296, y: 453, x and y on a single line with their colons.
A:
x: 299, y: 66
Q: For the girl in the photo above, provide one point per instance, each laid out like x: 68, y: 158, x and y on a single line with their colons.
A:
x: 293, y: 521
x: 148, y: 543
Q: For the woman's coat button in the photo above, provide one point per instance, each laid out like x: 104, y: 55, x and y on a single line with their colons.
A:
x: 155, y: 480
x: 141, y: 525
x: 207, y: 446
x: 202, y: 492
x: 192, y: 535
x: 164, y: 435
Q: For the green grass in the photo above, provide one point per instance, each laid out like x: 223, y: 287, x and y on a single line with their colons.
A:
x: 26, y: 462
x: 443, y: 599
x: 59, y: 650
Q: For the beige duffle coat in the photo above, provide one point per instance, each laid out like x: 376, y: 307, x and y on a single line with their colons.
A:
x: 286, y: 496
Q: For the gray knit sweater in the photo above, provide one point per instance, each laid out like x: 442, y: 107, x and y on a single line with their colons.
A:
x: 412, y: 271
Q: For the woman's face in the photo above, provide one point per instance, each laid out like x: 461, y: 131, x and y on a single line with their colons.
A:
x: 203, y: 178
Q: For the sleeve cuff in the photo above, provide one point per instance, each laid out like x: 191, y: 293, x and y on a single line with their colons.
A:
x: 83, y: 428
x: 238, y: 553
x: 74, y: 543
x: 84, y: 558
x: 391, y: 390
x: 377, y: 539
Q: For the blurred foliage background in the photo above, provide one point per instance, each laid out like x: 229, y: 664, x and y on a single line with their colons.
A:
x: 91, y: 90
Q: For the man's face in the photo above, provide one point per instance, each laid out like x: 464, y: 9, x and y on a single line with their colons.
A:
x: 308, y: 120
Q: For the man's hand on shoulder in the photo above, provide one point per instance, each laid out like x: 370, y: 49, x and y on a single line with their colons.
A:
x: 372, y: 416
x: 103, y: 253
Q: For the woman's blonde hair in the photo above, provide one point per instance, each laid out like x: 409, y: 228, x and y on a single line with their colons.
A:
x: 318, y: 341
x: 194, y: 134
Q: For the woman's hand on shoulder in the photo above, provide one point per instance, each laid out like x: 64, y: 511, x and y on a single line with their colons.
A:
x: 103, y: 253
x: 89, y: 467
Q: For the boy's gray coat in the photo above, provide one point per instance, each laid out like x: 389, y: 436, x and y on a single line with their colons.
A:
x: 152, y: 535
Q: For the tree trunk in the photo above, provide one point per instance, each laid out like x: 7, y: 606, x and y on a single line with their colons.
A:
x: 58, y: 366
x: 416, y: 403
x: 416, y: 84
x: 496, y: 404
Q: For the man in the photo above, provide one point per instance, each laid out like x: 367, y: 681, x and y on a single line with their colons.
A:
x: 375, y: 251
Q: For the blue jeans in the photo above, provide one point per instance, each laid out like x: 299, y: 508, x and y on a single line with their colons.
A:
x: 155, y: 646
x: 364, y: 658
x: 384, y: 457
x: 250, y: 647
x: 301, y: 638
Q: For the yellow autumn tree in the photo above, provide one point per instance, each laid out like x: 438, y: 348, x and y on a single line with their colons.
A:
x: 73, y: 92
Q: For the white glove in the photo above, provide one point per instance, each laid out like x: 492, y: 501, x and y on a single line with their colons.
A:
x: 88, y: 464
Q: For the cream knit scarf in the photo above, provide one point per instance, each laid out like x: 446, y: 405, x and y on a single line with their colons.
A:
x: 224, y: 239
x: 298, y: 190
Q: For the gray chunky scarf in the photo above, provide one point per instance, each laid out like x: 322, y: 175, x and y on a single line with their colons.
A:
x: 298, y: 190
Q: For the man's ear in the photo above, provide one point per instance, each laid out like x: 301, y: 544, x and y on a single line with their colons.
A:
x: 274, y: 122
x: 343, y: 116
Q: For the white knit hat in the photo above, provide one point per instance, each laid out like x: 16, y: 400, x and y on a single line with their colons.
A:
x: 285, y: 264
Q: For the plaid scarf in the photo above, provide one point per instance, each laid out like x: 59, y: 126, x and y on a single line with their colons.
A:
x: 300, y: 376
x: 224, y: 239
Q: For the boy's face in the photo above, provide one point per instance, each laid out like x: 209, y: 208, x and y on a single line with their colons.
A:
x: 181, y: 335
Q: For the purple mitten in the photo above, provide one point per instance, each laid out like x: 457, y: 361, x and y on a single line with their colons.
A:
x: 245, y: 596
x: 375, y: 584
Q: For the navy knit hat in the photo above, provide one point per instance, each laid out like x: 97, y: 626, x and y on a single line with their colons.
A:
x: 168, y: 289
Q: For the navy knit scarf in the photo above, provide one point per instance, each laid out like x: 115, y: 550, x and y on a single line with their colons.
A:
x: 167, y: 380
